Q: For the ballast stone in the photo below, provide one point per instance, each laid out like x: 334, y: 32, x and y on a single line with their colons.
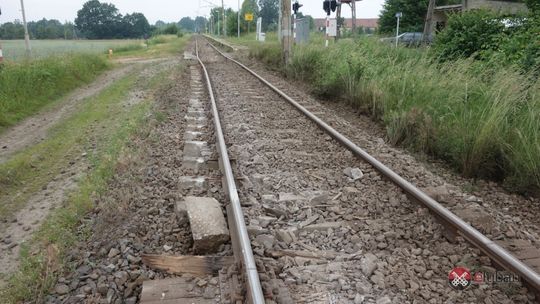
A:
x: 208, y: 225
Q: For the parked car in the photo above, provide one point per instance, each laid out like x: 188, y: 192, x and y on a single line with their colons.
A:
x: 408, y: 39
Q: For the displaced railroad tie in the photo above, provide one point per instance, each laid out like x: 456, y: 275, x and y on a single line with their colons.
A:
x: 195, y: 265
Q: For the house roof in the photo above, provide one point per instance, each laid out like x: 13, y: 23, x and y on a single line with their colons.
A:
x: 454, y: 7
x: 367, y: 22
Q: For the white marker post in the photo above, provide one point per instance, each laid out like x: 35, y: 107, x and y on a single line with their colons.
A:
x: 294, y: 28
x: 327, y: 29
x: 398, y: 16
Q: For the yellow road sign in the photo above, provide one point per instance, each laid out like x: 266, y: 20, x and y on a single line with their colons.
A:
x: 248, y: 17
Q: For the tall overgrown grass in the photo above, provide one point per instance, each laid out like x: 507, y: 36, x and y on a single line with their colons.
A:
x: 28, y: 86
x: 482, y: 118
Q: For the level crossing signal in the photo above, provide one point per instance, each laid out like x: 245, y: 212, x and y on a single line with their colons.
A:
x: 296, y: 7
x: 329, y: 6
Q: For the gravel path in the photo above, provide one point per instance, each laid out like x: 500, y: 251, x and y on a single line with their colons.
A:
x: 336, y: 231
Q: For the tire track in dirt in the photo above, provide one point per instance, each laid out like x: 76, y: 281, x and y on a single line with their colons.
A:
x: 26, y: 221
x: 34, y: 129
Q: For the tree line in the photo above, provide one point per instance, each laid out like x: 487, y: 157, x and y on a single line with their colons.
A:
x: 42, y: 29
x: 97, y: 20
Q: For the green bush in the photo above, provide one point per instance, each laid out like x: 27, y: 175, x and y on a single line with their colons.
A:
x: 488, y: 36
x: 157, y: 40
x: 26, y: 87
x: 467, y: 34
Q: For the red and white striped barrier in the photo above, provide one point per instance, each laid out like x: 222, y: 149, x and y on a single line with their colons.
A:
x: 1, y: 55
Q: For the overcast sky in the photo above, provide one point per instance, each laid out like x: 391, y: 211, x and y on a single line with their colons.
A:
x: 166, y: 10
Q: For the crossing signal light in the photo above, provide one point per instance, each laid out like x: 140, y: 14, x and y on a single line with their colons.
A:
x: 333, y: 5
x: 329, y: 6
x: 296, y: 7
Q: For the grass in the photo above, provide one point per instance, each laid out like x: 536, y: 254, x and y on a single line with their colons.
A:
x: 14, y: 50
x: 26, y: 87
x: 158, y: 46
x: 115, y: 125
x: 481, y: 118
x: 104, y: 128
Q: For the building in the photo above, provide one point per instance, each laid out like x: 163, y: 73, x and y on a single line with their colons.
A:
x: 441, y: 13
x: 370, y: 23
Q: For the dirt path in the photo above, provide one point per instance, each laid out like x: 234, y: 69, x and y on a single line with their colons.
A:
x: 34, y: 129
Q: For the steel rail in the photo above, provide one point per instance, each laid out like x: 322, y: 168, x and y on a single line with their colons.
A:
x: 255, y: 293
x: 498, y: 254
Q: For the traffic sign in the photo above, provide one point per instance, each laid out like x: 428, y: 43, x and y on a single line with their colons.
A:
x: 248, y: 17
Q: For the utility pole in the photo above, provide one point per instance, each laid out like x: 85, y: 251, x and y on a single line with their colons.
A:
x: 279, y: 22
x: 428, y: 27
x: 238, y: 19
x: 26, y: 36
x: 224, y: 22
x: 286, y: 30
x: 1, y: 54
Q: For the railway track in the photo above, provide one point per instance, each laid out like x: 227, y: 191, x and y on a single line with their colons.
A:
x: 334, y: 225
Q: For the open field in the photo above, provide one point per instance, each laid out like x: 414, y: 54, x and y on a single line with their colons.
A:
x: 14, y: 49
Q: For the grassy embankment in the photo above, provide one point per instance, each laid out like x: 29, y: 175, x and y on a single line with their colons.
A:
x: 27, y: 86
x: 482, y: 118
x: 102, y: 128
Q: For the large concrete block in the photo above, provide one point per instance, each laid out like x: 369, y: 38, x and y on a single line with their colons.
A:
x: 208, y: 225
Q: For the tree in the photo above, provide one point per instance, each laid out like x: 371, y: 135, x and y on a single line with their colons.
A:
x: 200, y: 24
x: 216, y: 19
x: 311, y: 22
x: 46, y: 29
x: 12, y: 30
x: 232, y: 22
x: 414, y: 13
x: 99, y: 20
x: 534, y: 6
x: 135, y: 26
x: 160, y: 24
x: 269, y: 13
x: 69, y: 30
x: 187, y: 24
